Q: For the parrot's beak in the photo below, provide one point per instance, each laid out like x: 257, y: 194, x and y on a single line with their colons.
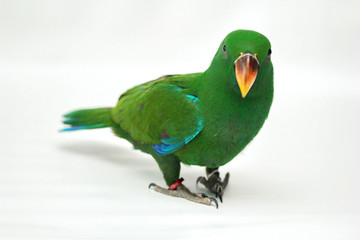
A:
x: 246, y: 69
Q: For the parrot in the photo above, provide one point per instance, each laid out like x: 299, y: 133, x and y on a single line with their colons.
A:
x: 204, y: 118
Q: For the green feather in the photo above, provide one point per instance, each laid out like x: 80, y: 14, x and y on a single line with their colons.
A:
x: 88, y: 119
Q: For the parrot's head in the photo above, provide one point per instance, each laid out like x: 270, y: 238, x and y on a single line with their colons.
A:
x: 242, y: 55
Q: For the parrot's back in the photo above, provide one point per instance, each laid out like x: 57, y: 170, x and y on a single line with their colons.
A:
x: 157, y: 117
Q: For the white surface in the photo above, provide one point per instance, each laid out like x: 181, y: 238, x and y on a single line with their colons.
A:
x: 299, y: 178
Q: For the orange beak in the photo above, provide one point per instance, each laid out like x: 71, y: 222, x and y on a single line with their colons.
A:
x: 246, y: 69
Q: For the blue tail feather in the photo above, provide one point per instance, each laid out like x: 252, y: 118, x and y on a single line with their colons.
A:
x: 99, y: 125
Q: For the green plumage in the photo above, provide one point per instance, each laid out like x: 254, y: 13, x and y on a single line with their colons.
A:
x: 165, y: 109
x: 147, y: 110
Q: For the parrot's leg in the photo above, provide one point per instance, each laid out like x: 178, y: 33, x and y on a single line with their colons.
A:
x: 170, y: 167
x: 183, y: 192
x: 214, y: 183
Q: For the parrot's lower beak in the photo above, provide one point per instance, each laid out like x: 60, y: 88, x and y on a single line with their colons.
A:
x: 246, y: 69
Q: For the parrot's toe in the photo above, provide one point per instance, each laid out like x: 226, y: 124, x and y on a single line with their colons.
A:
x: 183, y: 192
x: 213, y: 200
x: 214, y: 183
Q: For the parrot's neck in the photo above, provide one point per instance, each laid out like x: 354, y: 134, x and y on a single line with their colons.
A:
x: 232, y: 120
x: 219, y: 86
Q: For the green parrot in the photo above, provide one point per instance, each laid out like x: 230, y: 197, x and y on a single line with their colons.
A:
x: 204, y: 118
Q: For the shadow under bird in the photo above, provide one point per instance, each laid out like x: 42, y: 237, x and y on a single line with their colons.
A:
x: 204, y: 118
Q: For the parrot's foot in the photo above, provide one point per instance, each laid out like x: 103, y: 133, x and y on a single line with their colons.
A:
x: 183, y: 192
x: 214, y: 183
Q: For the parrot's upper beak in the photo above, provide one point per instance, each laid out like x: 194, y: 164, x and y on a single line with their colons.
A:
x: 246, y: 69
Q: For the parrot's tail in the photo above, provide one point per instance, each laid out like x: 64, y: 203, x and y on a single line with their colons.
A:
x: 88, y: 119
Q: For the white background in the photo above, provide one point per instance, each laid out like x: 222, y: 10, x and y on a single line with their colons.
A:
x: 299, y: 178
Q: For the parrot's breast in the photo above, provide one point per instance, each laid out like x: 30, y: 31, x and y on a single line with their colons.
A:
x: 229, y: 126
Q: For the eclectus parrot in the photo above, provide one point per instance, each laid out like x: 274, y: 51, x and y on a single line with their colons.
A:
x: 204, y: 118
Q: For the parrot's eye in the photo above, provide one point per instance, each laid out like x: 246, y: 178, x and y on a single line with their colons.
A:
x: 224, y: 48
x: 269, y: 52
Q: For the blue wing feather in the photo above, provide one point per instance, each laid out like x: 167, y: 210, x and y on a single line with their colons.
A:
x: 170, y: 145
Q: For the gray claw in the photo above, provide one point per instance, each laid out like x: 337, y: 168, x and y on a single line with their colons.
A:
x: 204, y: 195
x: 214, y: 201
x: 202, y: 180
x: 220, y: 197
x: 219, y: 192
x: 198, y: 180
x: 152, y: 185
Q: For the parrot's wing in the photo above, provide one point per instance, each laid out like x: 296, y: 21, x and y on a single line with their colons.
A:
x: 160, y: 114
